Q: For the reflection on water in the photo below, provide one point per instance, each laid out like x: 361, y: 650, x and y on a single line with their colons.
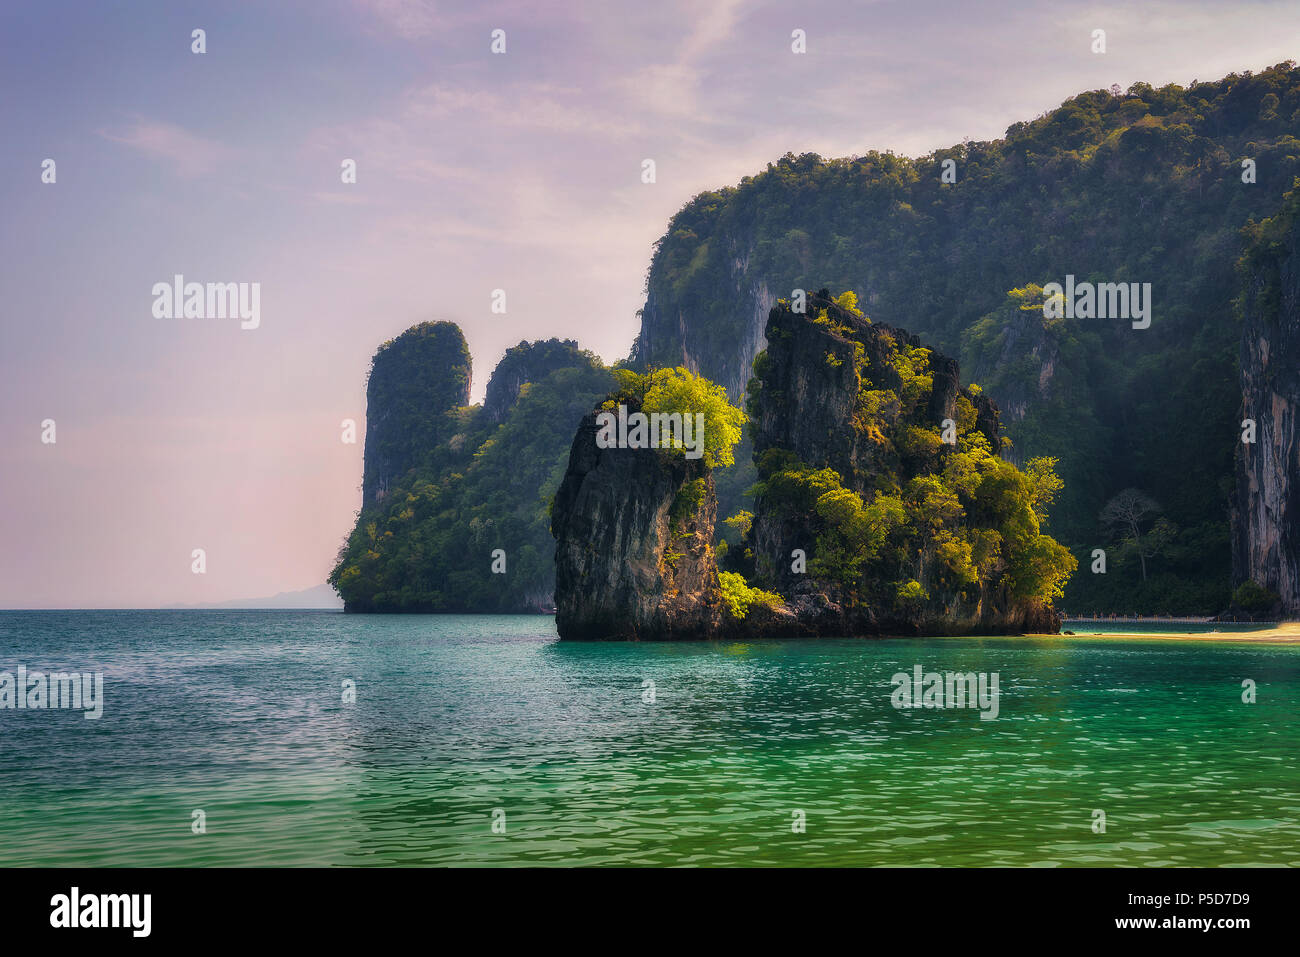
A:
x: 241, y: 714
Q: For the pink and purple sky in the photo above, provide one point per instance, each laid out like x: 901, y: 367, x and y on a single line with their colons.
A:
x: 476, y: 171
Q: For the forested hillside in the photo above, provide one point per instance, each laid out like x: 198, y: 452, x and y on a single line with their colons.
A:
x: 1141, y: 186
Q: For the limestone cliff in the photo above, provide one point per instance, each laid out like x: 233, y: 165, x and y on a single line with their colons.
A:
x: 456, y: 511
x: 1144, y: 186
x: 694, y: 334
x: 1266, y: 508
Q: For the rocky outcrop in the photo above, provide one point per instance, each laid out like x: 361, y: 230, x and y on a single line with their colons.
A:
x: 634, y: 557
x: 1022, y: 340
x: 524, y: 363
x: 415, y: 380
x: 805, y: 390
x: 805, y: 401
x: 1266, y: 506
x: 634, y: 528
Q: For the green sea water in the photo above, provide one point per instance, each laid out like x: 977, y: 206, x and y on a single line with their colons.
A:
x: 460, y: 721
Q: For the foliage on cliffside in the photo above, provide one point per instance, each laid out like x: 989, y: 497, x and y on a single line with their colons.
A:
x: 428, y: 545
x: 416, y: 381
x: 526, y: 362
x: 928, y: 516
x: 1145, y: 186
x: 739, y: 598
x: 681, y: 392
x: 1267, y: 244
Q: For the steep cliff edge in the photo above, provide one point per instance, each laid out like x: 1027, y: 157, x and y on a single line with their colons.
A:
x: 882, y: 506
x: 634, y: 557
x: 1266, y: 513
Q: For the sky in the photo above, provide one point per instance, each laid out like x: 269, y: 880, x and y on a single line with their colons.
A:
x: 475, y: 171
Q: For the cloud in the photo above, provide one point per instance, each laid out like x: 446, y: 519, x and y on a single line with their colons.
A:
x: 189, y: 155
x: 547, y: 108
x: 672, y: 88
x: 461, y: 138
x: 716, y: 24
x: 408, y: 19
x: 420, y: 19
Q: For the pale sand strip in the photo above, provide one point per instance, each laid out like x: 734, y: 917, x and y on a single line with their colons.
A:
x: 1286, y: 633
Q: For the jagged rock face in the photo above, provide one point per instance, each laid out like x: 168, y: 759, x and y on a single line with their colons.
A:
x: 681, y: 333
x: 415, y: 380
x: 803, y: 402
x: 634, y: 555
x: 1025, y: 339
x: 1266, y: 508
x: 806, y: 402
x: 524, y: 363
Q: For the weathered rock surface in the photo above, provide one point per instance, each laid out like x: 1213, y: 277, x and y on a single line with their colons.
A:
x: 634, y: 557
x: 1266, y: 505
x: 682, y: 333
x: 806, y: 402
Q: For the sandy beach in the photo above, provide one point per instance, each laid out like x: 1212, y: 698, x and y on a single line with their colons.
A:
x: 1288, y: 632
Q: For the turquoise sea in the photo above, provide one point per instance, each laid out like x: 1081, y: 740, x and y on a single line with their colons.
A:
x: 461, y: 722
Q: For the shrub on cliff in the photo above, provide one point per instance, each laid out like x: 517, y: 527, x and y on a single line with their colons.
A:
x: 680, y: 391
x: 1253, y: 598
x: 738, y: 598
